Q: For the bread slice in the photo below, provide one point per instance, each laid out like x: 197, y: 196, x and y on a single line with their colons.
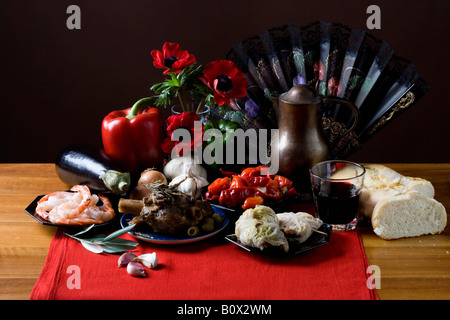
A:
x: 408, y: 215
x: 381, y: 182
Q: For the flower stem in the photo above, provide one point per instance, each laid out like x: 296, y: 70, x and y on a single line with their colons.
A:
x: 201, y: 105
x: 183, y: 102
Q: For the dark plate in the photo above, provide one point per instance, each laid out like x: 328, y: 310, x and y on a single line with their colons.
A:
x: 153, y: 237
x: 31, y: 211
x: 314, y: 241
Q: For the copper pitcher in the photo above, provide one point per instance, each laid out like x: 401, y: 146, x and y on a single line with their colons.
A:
x: 301, y: 142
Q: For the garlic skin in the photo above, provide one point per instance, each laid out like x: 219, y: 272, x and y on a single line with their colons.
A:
x: 135, y: 269
x: 126, y: 258
x: 150, y: 260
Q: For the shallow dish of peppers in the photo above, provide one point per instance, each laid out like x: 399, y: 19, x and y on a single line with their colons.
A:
x: 251, y: 187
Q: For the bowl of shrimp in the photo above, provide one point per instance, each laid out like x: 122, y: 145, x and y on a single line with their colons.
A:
x: 75, y: 207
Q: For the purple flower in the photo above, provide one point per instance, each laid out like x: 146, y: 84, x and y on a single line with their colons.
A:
x: 251, y: 108
x: 298, y: 80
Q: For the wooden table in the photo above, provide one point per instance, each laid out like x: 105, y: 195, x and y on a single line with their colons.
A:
x: 414, y: 268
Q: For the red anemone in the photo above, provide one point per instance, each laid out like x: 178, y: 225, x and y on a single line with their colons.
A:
x: 172, y: 58
x: 185, y: 120
x: 227, y: 81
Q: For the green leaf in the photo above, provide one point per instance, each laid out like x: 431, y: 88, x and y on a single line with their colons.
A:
x: 95, y: 248
x: 173, y: 83
x: 94, y: 240
x: 109, y: 244
x: 85, y: 230
x: 119, y: 232
x: 121, y: 242
x: 116, y: 248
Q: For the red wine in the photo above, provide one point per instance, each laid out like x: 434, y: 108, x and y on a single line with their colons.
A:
x: 337, y: 202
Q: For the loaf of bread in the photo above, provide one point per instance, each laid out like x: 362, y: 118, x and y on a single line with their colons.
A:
x: 381, y: 182
x: 408, y: 215
x: 400, y: 206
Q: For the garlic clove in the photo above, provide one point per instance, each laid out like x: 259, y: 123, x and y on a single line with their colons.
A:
x: 150, y: 260
x: 197, y: 171
x: 126, y: 258
x: 189, y: 187
x: 201, y: 182
x: 178, y: 180
x: 135, y: 269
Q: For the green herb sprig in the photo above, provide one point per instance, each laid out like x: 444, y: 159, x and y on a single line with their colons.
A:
x: 102, y: 243
x: 181, y: 84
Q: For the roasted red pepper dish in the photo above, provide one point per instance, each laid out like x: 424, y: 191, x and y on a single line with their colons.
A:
x: 249, y: 188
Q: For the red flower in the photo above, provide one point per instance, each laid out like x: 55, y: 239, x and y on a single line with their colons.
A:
x: 225, y: 79
x: 185, y: 120
x: 172, y: 58
x: 318, y: 70
x: 334, y: 86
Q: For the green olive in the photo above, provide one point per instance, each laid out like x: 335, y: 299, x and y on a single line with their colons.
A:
x: 208, y: 225
x: 193, y: 231
x: 217, y: 219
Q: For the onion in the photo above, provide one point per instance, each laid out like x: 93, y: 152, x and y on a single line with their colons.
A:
x: 152, y: 176
x: 140, y: 192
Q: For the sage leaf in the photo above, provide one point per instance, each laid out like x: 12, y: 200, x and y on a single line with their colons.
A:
x: 95, y: 248
x: 110, y: 244
x: 110, y: 248
x: 84, y: 230
x: 119, y: 232
x: 121, y: 242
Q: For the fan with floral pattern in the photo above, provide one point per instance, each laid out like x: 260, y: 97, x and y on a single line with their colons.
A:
x: 336, y: 61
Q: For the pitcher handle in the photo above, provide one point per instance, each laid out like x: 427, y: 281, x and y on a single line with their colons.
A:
x: 354, y: 109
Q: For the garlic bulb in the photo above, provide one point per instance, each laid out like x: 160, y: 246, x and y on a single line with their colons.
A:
x: 180, y: 165
x: 186, y: 184
x: 189, y: 183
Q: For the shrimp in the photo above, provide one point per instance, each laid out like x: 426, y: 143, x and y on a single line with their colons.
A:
x: 76, y: 221
x: 50, y: 201
x: 75, y: 208
x: 104, y: 212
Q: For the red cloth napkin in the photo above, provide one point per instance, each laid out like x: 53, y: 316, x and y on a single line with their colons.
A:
x: 209, y: 270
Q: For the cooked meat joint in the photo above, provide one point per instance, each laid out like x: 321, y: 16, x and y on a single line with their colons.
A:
x: 167, y: 211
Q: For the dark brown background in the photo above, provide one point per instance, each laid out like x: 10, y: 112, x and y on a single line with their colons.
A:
x: 58, y: 84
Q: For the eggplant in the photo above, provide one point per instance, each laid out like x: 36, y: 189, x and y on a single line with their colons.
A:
x: 87, y: 165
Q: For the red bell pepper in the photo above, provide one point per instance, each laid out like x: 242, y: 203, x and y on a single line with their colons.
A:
x: 133, y: 136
